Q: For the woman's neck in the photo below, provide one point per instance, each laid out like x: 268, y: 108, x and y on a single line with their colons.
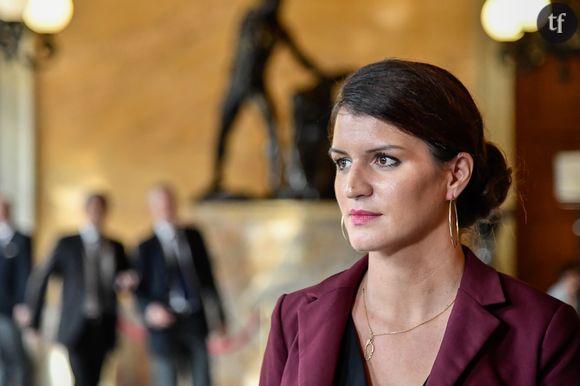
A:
x: 415, y: 282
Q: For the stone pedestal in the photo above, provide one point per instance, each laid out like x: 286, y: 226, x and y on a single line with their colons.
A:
x: 260, y: 250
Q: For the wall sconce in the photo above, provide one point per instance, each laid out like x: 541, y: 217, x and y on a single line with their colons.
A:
x: 567, y: 185
x: 41, y: 18
x: 567, y: 178
x: 514, y: 24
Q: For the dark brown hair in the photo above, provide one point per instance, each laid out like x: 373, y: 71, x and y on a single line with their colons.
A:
x: 431, y: 104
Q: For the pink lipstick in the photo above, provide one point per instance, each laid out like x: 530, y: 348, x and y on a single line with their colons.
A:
x: 362, y: 217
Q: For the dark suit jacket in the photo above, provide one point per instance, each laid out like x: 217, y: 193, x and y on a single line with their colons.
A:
x: 154, y: 284
x: 15, y: 265
x: 500, y: 332
x: 67, y: 262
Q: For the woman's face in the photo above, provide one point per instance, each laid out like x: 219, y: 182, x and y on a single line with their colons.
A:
x: 390, y: 190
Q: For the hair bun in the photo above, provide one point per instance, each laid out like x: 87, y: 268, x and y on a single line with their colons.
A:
x: 487, y: 188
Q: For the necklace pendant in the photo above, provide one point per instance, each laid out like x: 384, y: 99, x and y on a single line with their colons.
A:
x: 370, y: 348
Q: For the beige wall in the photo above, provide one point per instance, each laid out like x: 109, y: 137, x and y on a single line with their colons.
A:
x: 133, y: 96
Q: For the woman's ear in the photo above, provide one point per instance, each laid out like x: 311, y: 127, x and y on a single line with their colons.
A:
x: 460, y: 169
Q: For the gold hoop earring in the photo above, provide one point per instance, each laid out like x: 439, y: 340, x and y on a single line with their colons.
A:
x: 343, y: 229
x: 453, y: 224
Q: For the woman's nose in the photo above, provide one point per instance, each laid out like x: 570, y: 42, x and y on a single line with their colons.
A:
x: 358, y: 184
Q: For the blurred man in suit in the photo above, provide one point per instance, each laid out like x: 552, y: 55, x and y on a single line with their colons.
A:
x: 15, y: 263
x: 93, y: 267
x: 176, y: 293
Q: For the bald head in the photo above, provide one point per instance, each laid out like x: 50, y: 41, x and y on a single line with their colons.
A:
x: 163, y: 203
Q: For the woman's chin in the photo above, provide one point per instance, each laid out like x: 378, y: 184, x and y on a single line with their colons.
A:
x: 363, y: 245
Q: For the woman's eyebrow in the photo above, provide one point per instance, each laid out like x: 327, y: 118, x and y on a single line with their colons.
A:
x: 386, y: 147
x: 335, y: 150
x: 373, y: 150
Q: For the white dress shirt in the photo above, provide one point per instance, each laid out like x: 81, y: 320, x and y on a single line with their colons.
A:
x: 6, y: 233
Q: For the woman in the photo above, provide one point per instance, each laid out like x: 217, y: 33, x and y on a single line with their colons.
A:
x: 412, y: 169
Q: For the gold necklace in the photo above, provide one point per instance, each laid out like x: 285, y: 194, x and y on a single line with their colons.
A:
x: 370, y: 344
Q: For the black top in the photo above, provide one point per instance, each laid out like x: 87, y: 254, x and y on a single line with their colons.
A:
x: 350, y: 368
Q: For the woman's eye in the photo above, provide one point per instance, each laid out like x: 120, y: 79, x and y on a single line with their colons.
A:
x: 384, y: 160
x: 341, y: 163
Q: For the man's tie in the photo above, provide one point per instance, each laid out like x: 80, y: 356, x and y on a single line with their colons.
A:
x: 93, y: 278
x: 186, y: 297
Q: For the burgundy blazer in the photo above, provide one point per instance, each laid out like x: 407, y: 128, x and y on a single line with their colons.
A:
x: 500, y: 332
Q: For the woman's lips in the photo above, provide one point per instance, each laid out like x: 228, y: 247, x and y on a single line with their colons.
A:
x: 362, y: 217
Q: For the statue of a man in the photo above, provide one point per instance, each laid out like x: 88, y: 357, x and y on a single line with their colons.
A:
x: 260, y: 31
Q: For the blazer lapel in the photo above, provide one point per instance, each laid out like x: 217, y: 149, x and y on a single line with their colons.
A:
x: 82, y: 258
x: 469, y: 327
x: 321, y: 325
x: 470, y: 324
x: 160, y: 279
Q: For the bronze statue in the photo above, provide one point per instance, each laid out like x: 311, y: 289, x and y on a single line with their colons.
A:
x: 260, y: 32
x: 310, y: 172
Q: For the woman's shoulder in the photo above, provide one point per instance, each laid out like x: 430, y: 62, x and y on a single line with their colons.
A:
x: 490, y: 287
x: 346, y: 280
x: 515, y: 304
x: 543, y: 323
x: 529, y: 302
x: 523, y: 291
